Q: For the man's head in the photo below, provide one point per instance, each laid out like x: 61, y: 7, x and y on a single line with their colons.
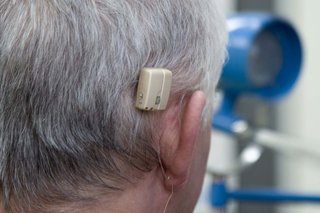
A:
x: 69, y: 130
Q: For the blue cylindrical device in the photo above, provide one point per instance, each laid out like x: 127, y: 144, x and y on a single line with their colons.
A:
x: 265, y: 56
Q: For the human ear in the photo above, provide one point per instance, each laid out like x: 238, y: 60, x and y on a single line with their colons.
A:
x: 180, y: 141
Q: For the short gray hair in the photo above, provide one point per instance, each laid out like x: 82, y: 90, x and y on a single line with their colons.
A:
x: 68, y: 76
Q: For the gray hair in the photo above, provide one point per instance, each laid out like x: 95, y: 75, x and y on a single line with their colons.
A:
x: 68, y: 75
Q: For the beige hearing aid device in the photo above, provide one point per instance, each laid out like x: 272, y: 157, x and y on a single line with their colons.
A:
x: 153, y: 89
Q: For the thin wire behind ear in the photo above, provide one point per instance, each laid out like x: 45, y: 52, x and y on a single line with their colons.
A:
x: 166, y: 177
x: 171, y: 194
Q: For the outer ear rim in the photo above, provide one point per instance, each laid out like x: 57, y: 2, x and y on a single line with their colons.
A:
x: 179, y: 164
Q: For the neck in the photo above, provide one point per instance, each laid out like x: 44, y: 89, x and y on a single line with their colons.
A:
x: 148, y: 195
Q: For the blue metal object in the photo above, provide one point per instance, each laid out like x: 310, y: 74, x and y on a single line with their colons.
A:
x: 220, y: 196
x: 265, y: 58
x: 225, y: 117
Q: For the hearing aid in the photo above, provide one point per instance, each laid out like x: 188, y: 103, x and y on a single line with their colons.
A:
x: 153, y: 89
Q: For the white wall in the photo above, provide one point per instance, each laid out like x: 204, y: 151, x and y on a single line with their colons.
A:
x: 229, y: 5
x: 299, y: 114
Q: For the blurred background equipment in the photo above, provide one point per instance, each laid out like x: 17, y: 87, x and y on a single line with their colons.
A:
x: 265, y: 57
x: 277, y: 143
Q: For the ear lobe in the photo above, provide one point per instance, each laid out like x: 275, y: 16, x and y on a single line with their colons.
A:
x: 179, y: 166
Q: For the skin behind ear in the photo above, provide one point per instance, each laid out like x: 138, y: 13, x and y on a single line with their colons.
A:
x: 179, y: 140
